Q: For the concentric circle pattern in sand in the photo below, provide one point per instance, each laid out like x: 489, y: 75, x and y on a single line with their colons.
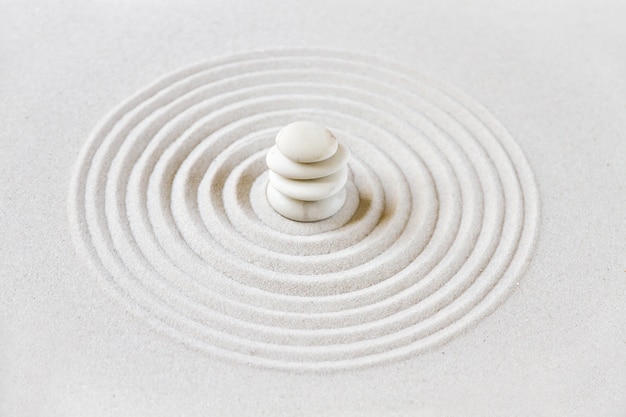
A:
x: 168, y: 205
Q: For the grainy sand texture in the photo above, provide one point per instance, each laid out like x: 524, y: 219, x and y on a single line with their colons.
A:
x: 477, y: 267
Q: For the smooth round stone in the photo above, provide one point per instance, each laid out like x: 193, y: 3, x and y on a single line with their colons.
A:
x: 310, y: 190
x: 306, y: 142
x: 284, y: 166
x: 305, y: 211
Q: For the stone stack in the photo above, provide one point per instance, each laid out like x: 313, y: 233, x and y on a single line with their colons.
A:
x: 308, y: 172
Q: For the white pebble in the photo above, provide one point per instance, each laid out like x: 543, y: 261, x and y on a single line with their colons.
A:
x: 306, y: 142
x: 310, y: 190
x: 284, y: 166
x: 305, y: 211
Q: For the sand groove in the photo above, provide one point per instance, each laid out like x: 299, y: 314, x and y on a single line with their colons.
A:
x: 167, y: 205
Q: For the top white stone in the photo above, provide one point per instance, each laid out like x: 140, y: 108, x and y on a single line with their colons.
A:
x: 306, y: 142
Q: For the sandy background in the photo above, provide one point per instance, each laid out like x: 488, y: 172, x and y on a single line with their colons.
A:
x: 553, y: 73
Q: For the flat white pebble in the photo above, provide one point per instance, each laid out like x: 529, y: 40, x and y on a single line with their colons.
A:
x: 310, y: 190
x: 306, y: 142
x: 305, y: 211
x: 287, y: 168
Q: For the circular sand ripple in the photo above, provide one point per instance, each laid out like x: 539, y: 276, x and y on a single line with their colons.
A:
x: 168, y: 205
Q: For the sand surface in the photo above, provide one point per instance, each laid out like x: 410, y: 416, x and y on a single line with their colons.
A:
x: 142, y: 272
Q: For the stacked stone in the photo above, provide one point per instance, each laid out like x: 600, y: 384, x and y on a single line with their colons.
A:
x: 308, y: 172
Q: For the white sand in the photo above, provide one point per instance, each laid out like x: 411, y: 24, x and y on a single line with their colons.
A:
x: 377, y: 311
